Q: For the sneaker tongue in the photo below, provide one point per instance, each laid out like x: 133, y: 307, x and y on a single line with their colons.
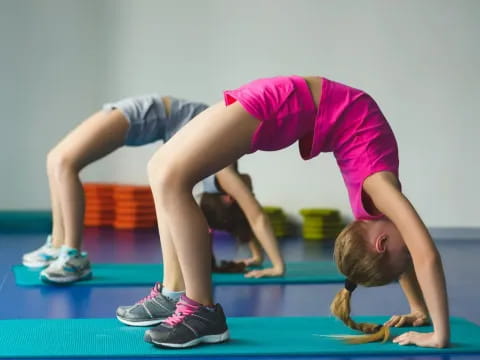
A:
x: 185, y: 307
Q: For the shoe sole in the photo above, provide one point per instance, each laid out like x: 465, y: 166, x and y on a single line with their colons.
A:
x: 140, y: 323
x: 207, y: 339
x: 66, y: 280
x: 36, y: 265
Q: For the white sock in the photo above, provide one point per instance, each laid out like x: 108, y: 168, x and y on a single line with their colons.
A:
x: 175, y: 295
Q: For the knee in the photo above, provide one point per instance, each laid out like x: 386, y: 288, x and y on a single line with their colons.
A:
x: 59, y: 163
x: 165, y: 178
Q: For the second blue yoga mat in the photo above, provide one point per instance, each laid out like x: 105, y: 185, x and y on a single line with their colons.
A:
x: 315, y: 272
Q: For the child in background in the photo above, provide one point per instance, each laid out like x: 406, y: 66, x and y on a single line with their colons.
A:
x: 131, y: 122
x: 222, y: 212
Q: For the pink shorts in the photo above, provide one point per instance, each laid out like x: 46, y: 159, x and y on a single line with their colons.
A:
x: 284, y: 106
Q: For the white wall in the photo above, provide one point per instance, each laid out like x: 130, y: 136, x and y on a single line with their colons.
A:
x: 49, y: 79
x: 419, y: 59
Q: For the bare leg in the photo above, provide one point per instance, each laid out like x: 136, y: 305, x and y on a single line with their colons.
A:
x: 172, y: 275
x: 187, y: 158
x: 58, y: 232
x: 96, y: 137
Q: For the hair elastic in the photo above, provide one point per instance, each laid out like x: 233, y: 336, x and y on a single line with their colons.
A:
x: 350, y: 285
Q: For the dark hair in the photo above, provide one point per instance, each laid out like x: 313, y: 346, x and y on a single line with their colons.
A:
x: 222, y: 215
x: 227, y: 215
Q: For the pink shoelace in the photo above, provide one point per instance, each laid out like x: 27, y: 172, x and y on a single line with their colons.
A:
x: 183, y: 309
x: 154, y: 292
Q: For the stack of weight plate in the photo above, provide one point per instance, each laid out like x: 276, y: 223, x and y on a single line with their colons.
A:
x: 319, y: 224
x: 278, y: 220
x: 99, y: 204
x: 134, y: 207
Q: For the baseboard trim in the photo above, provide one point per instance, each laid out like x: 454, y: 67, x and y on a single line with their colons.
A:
x: 41, y: 221
x: 455, y: 233
x: 25, y: 221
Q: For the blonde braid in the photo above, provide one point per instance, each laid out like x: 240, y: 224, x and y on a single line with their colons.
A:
x: 340, y: 307
x: 356, y: 260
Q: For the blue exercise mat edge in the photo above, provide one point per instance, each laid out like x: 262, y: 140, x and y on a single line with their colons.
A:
x: 314, y: 272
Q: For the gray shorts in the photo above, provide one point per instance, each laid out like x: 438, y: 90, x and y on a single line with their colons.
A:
x: 149, y: 122
x: 148, y: 117
x: 211, y: 186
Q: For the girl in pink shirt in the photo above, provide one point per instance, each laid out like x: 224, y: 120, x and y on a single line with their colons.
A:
x: 323, y: 116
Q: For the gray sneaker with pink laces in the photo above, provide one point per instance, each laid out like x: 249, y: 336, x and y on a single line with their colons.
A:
x: 190, y: 325
x: 151, y: 310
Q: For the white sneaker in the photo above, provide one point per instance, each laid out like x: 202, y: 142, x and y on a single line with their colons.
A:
x: 43, y: 256
x: 70, y: 266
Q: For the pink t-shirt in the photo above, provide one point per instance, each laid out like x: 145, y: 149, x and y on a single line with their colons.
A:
x: 348, y: 123
x: 351, y: 125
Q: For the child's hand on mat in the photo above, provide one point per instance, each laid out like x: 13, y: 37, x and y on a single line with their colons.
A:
x: 419, y: 339
x: 416, y: 318
x: 268, y: 272
x: 253, y: 261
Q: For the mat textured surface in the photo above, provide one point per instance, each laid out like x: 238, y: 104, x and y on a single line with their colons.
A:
x: 249, y: 336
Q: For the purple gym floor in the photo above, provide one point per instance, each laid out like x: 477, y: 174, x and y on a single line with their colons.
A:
x: 460, y: 261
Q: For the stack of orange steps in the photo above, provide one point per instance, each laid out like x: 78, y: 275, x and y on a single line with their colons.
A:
x: 119, y: 206
x: 134, y: 207
x: 99, y: 205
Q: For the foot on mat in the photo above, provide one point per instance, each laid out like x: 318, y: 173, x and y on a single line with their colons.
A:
x: 151, y: 310
x: 70, y: 266
x: 191, y: 325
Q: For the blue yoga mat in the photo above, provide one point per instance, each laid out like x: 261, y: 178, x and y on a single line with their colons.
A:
x: 316, y: 272
x: 288, y: 336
